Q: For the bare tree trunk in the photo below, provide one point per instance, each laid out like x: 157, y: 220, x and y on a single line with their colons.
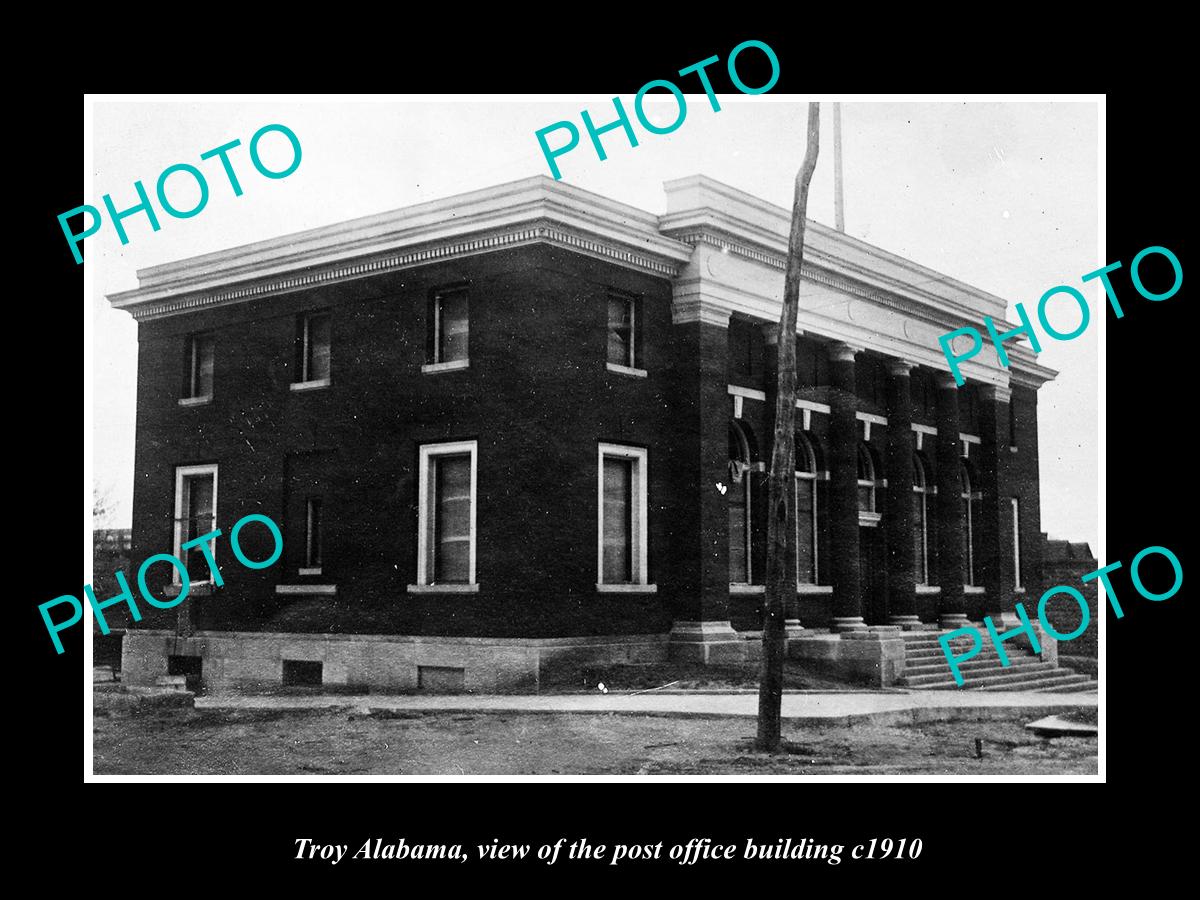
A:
x: 781, y: 497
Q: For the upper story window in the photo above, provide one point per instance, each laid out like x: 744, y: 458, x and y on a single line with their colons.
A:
x: 195, y: 516
x: 313, y: 349
x: 449, y: 318
x: 623, y: 336
x: 198, y: 384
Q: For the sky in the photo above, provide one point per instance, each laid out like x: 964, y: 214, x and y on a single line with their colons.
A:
x: 1000, y: 195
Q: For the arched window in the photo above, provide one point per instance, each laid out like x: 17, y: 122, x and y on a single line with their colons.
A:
x: 920, y: 521
x: 970, y: 498
x: 806, y: 512
x: 866, y: 479
x: 740, y: 505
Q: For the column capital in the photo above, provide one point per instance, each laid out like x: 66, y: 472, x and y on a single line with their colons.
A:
x: 770, y: 333
x: 898, y: 367
x: 840, y: 351
x: 685, y: 310
x: 945, y: 380
x: 1000, y: 393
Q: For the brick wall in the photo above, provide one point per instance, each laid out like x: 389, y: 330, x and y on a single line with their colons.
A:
x: 1064, y: 562
x: 537, y: 397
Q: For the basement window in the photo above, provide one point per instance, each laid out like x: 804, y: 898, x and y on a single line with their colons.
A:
x: 302, y: 673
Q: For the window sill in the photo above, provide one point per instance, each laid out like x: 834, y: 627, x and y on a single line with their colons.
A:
x: 306, y: 588
x: 626, y: 370
x: 627, y: 588
x: 196, y: 589
x: 195, y: 401
x: 451, y: 366
x: 869, y: 519
x: 310, y: 385
x: 974, y: 589
x: 443, y: 588
x: 311, y: 570
x: 747, y: 588
x: 1012, y: 449
x: 929, y: 589
x: 814, y: 589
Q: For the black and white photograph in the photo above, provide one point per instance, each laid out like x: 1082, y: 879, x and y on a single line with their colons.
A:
x: 450, y: 436
x: 455, y: 431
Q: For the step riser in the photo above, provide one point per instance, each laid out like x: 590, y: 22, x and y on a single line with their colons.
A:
x: 1045, y: 685
x: 976, y: 670
x: 936, y: 657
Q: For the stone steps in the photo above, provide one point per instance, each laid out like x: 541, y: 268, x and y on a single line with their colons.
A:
x: 1051, y: 682
x: 926, y: 668
x: 935, y: 676
x: 972, y: 666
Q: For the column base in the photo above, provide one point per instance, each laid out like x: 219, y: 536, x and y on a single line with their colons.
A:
x: 907, y: 623
x: 949, y: 621
x: 847, y: 623
x: 708, y: 643
x: 792, y: 629
x: 1005, y: 620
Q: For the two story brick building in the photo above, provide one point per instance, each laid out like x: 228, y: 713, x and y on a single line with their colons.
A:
x: 528, y: 426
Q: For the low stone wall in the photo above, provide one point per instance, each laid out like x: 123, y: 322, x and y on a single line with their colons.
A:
x: 874, y: 656
x: 255, y: 660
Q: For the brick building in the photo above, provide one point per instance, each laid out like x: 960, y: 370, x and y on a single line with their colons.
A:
x: 528, y: 426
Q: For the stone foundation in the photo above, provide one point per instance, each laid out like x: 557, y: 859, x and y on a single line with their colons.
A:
x: 238, y: 661
x: 874, y: 656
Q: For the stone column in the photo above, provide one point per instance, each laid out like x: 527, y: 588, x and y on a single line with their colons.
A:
x: 699, y: 561
x: 843, y: 490
x: 898, y: 518
x: 992, y: 468
x: 951, y: 608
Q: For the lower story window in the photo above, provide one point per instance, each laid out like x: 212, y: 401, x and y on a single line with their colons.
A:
x: 195, y: 515
x: 446, y: 513
x: 622, y: 527
x: 312, y: 533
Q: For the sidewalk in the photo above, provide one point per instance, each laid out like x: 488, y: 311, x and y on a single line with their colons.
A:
x: 807, y: 708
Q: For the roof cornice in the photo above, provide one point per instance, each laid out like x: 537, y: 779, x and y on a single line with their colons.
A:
x: 533, y: 210
x: 700, y: 208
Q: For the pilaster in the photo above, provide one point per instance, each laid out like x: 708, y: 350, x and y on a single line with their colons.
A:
x: 898, y: 519
x: 843, y: 490
x: 951, y: 608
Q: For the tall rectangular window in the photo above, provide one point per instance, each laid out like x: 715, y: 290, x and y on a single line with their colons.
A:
x: 451, y: 327
x: 312, y: 533
x: 1016, y: 544
x: 315, y: 335
x: 806, y: 527
x: 622, y: 514
x: 446, y: 512
x: 195, y: 515
x: 200, y: 355
x: 622, y: 345
x: 618, y: 520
